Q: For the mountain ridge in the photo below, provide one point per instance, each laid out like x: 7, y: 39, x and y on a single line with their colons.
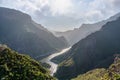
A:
x: 111, y: 73
x: 16, y: 66
x: 21, y: 33
x: 74, y: 36
x: 99, y: 47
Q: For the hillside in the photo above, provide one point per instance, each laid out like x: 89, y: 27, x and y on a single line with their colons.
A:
x: 112, y: 73
x: 74, y: 36
x: 95, y: 51
x: 22, y: 34
x: 15, y: 66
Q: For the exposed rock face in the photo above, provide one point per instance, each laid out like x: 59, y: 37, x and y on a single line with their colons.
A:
x: 2, y: 47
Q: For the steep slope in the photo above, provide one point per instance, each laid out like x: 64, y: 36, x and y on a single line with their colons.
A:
x: 18, y: 31
x: 73, y: 36
x: 112, y: 73
x: 15, y: 66
x: 96, y: 50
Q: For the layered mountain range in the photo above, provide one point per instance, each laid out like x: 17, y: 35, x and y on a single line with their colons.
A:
x: 94, y: 51
x: 74, y: 36
x: 22, y: 34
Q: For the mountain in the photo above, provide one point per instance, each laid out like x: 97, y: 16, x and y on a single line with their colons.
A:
x: 112, y: 73
x: 16, y: 66
x: 22, y: 34
x: 74, y: 36
x: 94, y: 51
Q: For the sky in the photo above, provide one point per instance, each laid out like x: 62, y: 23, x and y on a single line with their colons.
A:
x: 62, y: 15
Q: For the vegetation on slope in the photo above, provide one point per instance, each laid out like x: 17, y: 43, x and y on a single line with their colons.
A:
x: 95, y: 51
x: 14, y: 66
x: 112, y: 73
x: 24, y: 32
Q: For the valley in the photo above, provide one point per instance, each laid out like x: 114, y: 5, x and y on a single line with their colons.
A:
x: 54, y: 40
x: 54, y: 66
x: 21, y: 33
x: 95, y: 51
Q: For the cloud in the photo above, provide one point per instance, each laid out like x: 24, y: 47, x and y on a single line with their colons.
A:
x: 97, y: 10
x: 61, y: 14
x: 60, y: 7
x: 116, y: 3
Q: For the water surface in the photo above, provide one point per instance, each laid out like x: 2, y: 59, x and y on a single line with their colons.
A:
x: 53, y: 65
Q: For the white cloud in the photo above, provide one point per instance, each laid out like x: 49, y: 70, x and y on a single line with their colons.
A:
x: 65, y: 12
x: 91, y: 16
x: 60, y: 7
x: 97, y: 10
x: 25, y: 5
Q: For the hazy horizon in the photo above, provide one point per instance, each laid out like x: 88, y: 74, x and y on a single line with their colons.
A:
x: 63, y: 15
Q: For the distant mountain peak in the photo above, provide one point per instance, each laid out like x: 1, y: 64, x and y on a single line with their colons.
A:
x: 97, y: 50
x: 77, y: 34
